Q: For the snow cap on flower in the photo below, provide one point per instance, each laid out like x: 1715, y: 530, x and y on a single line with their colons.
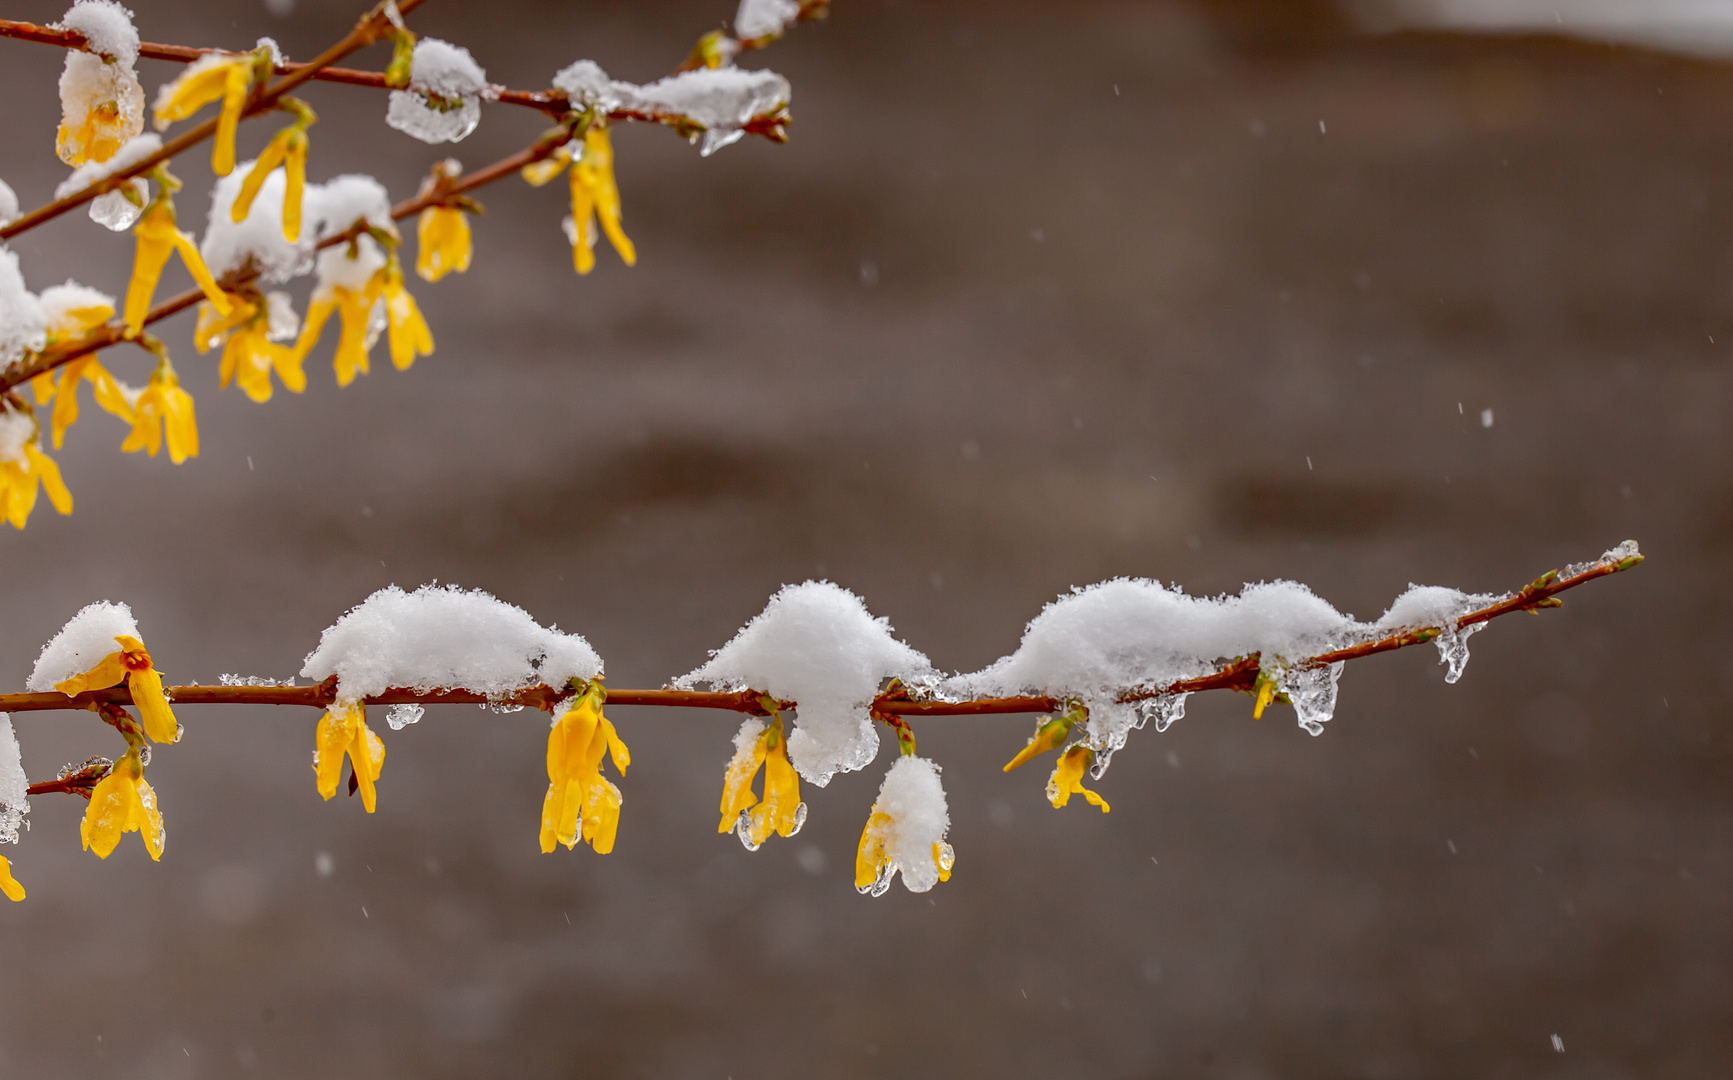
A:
x: 441, y: 637
x: 442, y: 103
x: 82, y: 643
x: 818, y: 645
x: 908, y: 826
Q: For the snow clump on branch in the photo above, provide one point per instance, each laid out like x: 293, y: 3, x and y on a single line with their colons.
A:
x: 23, y: 323
x: 439, y: 638
x: 818, y: 645
x: 443, y: 102
x: 85, y: 639
x: 14, y: 787
x: 715, y: 103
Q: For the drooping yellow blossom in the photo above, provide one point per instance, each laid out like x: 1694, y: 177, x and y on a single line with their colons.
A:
x: 287, y: 148
x: 164, y: 408
x: 343, y: 730
x: 249, y: 356
x: 1050, y: 733
x: 121, y: 803
x: 780, y: 811
x: 581, y: 803
x: 20, y: 475
x: 443, y: 242
x: 1265, y: 693
x: 406, y: 331
x: 9, y: 884
x: 227, y: 76
x: 356, y: 310
x: 595, y: 196
x: 109, y: 394
x: 1067, y: 778
x: 131, y: 664
x: 871, y: 859
x: 158, y: 238
x: 64, y: 325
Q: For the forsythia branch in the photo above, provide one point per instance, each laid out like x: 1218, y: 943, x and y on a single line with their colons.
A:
x: 1241, y: 674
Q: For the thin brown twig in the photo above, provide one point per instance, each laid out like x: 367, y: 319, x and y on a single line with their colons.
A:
x: 1240, y: 674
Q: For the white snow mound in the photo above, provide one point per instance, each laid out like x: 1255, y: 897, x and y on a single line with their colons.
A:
x: 85, y: 639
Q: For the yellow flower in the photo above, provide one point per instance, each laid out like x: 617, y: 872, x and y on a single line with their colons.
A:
x: 122, y: 802
x: 228, y: 76
x: 872, y: 861
x: 164, y: 408
x: 158, y: 238
x: 287, y: 148
x: 9, y: 884
x: 109, y: 394
x: 1265, y: 692
x: 406, y: 330
x: 356, y: 310
x: 1067, y: 778
x: 343, y: 730
x: 250, y: 355
x: 595, y: 196
x: 19, y: 479
x: 581, y: 803
x: 131, y: 663
x: 442, y: 236
x: 780, y: 811
x: 1049, y: 733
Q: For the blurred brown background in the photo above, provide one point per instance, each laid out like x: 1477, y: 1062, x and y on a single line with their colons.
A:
x: 1040, y: 293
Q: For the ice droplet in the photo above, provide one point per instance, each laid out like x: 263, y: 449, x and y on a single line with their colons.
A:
x: 881, y: 884
x: 401, y: 716
x: 947, y: 857
x: 432, y: 119
x: 1453, y: 649
x: 799, y: 820
x: 1164, y: 710
x: 743, y: 829
x: 713, y: 140
x: 1312, y: 692
x: 115, y: 212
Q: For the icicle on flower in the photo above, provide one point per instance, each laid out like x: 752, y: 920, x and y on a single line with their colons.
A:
x: 906, y: 831
x: 780, y: 811
x: 158, y: 238
x: 215, y: 76
x: 1067, y: 778
x: 23, y: 466
x: 122, y: 802
x: 581, y: 804
x: 132, y: 665
x: 343, y: 730
x: 249, y: 353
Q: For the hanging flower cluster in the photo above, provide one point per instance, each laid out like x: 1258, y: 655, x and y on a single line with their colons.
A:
x: 269, y: 225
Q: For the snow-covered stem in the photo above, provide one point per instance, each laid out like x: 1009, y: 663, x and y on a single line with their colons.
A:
x: 372, y: 27
x: 1241, y: 674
